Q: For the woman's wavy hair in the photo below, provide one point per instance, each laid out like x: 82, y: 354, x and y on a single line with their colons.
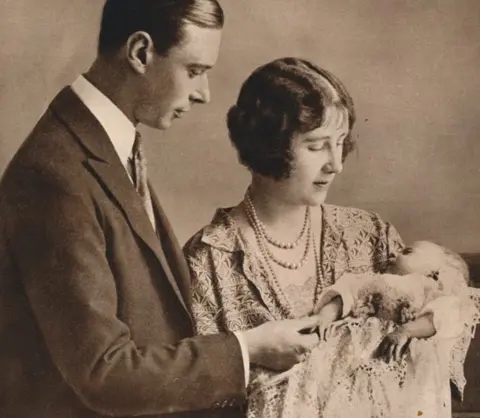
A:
x: 285, y: 97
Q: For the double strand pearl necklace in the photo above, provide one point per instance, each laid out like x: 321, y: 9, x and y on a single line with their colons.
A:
x: 263, y: 241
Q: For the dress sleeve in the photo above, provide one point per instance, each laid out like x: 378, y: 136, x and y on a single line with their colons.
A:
x: 450, y: 315
x: 455, y: 315
x: 389, y: 243
x: 394, y: 241
x: 206, y: 308
x: 462, y: 343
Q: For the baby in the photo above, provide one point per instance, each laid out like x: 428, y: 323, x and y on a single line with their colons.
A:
x: 420, y: 292
x: 364, y: 319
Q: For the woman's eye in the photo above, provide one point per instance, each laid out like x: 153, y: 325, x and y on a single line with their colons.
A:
x: 318, y: 147
x: 340, y: 144
x: 407, y: 250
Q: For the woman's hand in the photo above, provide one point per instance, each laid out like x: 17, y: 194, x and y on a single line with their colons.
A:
x: 327, y: 315
x: 394, y: 345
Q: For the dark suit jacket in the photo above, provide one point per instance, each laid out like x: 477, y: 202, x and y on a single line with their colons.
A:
x: 94, y: 316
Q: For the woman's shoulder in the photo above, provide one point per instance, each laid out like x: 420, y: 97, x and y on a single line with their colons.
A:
x: 346, y: 216
x: 219, y: 234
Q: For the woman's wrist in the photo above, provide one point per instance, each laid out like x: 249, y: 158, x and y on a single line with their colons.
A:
x: 422, y: 327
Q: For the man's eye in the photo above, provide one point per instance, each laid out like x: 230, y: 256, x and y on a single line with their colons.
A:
x: 195, y: 72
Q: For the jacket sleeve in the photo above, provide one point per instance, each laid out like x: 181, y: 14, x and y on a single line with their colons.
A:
x: 57, y: 241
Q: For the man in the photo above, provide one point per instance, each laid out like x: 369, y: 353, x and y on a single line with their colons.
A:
x: 94, y: 291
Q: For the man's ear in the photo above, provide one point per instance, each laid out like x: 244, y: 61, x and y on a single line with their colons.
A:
x: 434, y: 275
x: 140, y: 51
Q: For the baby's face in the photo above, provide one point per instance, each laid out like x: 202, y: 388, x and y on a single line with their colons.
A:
x: 422, y: 257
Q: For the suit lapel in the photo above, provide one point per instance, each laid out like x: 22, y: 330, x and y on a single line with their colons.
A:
x: 103, y: 161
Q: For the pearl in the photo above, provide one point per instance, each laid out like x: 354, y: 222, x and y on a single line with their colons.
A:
x: 263, y: 229
x: 263, y: 241
x: 268, y: 256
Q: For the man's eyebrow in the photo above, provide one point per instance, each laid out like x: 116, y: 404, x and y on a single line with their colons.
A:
x: 200, y: 66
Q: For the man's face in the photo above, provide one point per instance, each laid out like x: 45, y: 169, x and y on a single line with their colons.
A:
x: 179, y: 79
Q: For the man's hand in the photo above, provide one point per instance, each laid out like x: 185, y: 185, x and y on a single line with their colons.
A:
x: 279, y: 345
x: 394, y: 345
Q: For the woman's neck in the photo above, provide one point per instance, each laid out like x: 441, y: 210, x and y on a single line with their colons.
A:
x: 283, y: 219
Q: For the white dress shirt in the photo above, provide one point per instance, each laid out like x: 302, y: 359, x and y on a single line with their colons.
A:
x: 121, y: 133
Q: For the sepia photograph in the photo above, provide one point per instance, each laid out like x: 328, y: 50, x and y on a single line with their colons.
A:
x: 240, y: 208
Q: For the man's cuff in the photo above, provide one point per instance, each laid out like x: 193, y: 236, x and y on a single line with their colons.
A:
x: 245, y: 355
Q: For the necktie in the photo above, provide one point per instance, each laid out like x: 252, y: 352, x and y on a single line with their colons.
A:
x: 139, y: 174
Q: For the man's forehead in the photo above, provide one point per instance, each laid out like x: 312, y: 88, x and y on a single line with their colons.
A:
x: 199, y: 45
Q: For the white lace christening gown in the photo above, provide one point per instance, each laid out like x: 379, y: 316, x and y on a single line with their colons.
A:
x: 342, y: 378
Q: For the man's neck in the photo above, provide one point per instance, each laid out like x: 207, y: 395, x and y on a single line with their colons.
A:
x: 113, y: 83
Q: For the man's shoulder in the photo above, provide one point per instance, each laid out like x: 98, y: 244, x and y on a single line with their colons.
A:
x: 49, y: 158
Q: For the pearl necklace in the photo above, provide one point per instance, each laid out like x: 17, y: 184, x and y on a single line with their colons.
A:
x: 267, y: 257
x: 260, y: 237
x: 263, y: 229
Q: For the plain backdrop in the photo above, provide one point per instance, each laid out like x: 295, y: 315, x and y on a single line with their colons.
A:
x: 412, y: 67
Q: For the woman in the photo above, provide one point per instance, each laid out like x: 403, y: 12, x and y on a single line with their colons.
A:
x: 271, y: 256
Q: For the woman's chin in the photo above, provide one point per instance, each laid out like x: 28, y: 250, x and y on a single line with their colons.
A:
x: 318, y: 198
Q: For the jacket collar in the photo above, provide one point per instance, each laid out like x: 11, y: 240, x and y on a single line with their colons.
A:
x: 104, y: 163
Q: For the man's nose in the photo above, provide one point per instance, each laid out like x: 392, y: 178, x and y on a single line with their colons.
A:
x: 202, y: 93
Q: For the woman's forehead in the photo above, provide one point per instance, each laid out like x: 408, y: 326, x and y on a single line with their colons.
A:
x: 335, y: 118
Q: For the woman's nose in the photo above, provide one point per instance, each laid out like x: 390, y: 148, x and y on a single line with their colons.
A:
x: 335, y: 164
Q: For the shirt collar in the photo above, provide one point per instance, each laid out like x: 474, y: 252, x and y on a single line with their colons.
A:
x: 118, y: 127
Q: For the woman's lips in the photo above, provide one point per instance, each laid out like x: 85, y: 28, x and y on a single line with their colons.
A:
x: 321, y: 184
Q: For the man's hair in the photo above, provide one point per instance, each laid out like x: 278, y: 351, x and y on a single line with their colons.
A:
x: 163, y: 20
x: 285, y: 97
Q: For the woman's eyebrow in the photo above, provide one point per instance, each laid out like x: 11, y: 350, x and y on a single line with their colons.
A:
x: 316, y: 138
x: 324, y: 138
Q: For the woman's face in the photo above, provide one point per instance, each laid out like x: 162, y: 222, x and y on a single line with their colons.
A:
x: 317, y: 159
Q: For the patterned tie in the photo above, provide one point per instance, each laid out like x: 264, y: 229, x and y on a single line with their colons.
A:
x: 139, y: 176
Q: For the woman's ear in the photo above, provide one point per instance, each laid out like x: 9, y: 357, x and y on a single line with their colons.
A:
x: 140, y: 51
x: 434, y: 275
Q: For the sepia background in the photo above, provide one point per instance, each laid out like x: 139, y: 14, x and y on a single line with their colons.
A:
x: 411, y: 66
